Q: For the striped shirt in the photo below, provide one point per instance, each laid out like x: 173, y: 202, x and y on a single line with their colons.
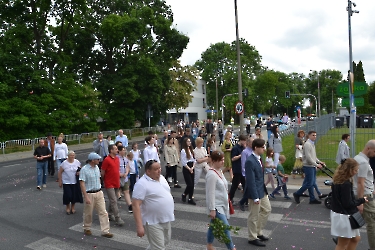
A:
x: 91, y: 177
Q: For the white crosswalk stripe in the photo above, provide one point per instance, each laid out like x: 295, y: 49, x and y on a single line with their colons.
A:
x: 49, y: 243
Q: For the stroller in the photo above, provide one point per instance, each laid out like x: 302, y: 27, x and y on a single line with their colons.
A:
x: 328, y: 172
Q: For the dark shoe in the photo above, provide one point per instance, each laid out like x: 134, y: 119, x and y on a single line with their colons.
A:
x: 130, y: 209
x: 323, y: 196
x: 305, y: 195
x: 107, y: 235
x: 335, y: 240
x: 183, y: 197
x: 177, y: 186
x: 272, y: 196
x: 192, y: 202
x: 315, y: 202
x: 296, y: 198
x: 242, y: 207
x: 263, y: 238
x: 111, y: 217
x: 278, y: 193
x: 87, y: 232
x: 287, y: 197
x: 256, y: 243
x: 120, y: 197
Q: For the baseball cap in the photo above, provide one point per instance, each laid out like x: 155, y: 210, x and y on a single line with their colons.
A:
x: 93, y: 156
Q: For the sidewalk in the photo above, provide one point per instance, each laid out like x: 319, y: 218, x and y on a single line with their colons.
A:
x: 29, y: 154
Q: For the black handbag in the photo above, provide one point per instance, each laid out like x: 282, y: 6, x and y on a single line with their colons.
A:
x: 356, y: 220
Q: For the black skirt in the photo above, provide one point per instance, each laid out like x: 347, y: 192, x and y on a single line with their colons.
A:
x: 72, y: 194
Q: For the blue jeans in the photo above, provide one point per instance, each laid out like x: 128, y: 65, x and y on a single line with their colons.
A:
x: 284, y: 187
x: 58, y: 163
x: 42, y: 170
x: 308, y: 182
x: 269, y: 132
x: 210, y: 235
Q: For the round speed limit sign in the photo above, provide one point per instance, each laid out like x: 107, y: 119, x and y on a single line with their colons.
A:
x: 239, y: 108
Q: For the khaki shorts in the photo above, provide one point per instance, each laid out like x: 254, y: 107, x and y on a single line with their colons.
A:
x: 125, y: 187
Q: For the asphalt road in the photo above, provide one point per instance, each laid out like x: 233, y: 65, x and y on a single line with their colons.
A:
x: 32, y: 219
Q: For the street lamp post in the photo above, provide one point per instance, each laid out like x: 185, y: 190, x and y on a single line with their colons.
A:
x: 353, y: 109
x: 238, y: 66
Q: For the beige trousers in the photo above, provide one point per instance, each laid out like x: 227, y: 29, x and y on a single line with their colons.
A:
x: 97, y: 202
x: 257, y: 219
x: 158, y: 235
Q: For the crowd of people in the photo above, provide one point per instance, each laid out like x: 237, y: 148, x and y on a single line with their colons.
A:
x: 113, y: 168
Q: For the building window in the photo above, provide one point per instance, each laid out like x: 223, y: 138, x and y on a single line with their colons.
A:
x: 203, y: 88
x: 204, y: 104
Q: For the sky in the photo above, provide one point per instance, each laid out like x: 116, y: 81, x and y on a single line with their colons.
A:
x: 290, y: 35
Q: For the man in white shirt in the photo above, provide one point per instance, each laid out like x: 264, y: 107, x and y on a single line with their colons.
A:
x: 343, y: 151
x: 122, y: 138
x: 363, y: 185
x: 150, y: 152
x: 151, y: 193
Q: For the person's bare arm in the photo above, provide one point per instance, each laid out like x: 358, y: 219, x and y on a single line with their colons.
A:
x: 360, y: 190
x: 83, y: 189
x: 136, y: 205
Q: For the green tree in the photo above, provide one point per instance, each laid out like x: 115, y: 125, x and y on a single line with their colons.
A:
x: 359, y: 76
x: 184, y: 82
x: 219, y: 64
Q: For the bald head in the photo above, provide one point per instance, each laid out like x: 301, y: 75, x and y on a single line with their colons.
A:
x: 369, y: 149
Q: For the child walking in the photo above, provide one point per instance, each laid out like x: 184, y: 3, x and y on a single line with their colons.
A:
x: 282, y: 179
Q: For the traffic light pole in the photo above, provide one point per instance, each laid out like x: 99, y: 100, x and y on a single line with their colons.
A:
x: 316, y: 103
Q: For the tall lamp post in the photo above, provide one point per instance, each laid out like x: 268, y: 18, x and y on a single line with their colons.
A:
x: 318, y: 113
x: 238, y: 66
x: 353, y: 109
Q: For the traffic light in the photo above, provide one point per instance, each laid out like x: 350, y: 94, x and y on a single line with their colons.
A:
x: 287, y: 94
x: 245, y: 92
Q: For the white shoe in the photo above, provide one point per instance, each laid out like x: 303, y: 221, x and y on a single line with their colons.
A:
x: 44, y: 185
x: 169, y: 179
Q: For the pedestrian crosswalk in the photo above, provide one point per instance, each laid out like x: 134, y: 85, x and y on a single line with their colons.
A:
x: 189, y: 220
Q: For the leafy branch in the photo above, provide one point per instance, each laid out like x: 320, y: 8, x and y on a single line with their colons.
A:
x: 219, y: 228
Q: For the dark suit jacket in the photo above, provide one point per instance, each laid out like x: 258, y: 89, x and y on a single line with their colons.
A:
x: 255, y: 187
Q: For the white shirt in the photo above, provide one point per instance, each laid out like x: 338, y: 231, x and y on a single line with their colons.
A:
x: 70, y: 170
x: 136, y: 154
x: 184, y: 159
x: 150, y: 153
x: 364, y: 171
x: 60, y: 151
x: 200, y: 153
x: 157, y: 202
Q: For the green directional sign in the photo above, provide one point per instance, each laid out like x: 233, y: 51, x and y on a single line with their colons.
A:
x: 358, y: 102
x: 360, y: 88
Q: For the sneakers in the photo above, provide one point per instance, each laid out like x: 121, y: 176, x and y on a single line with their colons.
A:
x: 119, y: 221
x: 38, y: 187
x: 44, y: 185
x: 170, y: 179
x: 242, y: 207
x: 183, y: 197
x: 278, y: 193
x: 287, y: 197
x: 315, y: 202
x: 87, y: 232
x: 296, y: 198
x: 107, y: 235
x: 130, y: 209
x: 192, y: 202
x: 177, y: 186
x: 272, y: 196
x: 111, y: 217
x: 321, y: 196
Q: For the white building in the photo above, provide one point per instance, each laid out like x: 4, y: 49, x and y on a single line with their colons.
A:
x: 195, y: 110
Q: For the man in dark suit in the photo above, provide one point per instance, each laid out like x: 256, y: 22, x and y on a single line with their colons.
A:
x: 256, y: 192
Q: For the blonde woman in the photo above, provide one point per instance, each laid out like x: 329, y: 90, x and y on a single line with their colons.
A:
x: 202, y: 158
x: 343, y: 204
x: 226, y: 147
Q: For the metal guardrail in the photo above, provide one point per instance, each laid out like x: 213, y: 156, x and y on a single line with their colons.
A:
x: 78, y: 137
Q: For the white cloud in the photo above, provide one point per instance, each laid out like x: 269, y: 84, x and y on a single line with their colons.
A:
x: 291, y: 36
